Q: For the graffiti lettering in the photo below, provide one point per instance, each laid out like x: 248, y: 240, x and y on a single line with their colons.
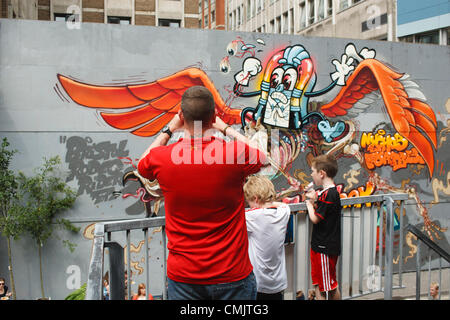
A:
x: 361, y: 191
x: 96, y: 166
x: 388, y: 150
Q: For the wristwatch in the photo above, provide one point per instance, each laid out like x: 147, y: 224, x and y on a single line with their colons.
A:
x: 166, y: 129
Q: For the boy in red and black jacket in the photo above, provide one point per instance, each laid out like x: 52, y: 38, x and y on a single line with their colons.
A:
x: 324, y: 210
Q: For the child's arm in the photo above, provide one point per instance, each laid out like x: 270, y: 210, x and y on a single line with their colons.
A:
x: 311, y: 198
x: 311, y: 211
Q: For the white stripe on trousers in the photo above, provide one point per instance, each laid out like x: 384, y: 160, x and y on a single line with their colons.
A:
x: 325, y: 272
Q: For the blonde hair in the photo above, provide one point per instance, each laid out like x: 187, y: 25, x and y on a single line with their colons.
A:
x: 259, y: 187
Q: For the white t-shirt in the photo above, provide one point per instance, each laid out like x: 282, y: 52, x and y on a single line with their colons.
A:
x: 266, y: 230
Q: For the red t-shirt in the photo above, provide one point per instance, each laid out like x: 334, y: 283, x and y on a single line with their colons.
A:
x: 202, y: 183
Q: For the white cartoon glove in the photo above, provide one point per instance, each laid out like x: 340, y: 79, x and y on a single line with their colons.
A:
x: 250, y: 68
x: 343, y: 68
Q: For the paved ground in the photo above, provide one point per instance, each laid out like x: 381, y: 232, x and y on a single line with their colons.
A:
x: 409, y: 284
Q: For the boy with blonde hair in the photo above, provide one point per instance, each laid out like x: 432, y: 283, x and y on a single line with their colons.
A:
x: 266, y: 227
x: 324, y: 210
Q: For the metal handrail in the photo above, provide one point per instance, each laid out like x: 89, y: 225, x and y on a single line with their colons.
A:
x: 433, y: 246
x: 429, y: 243
x: 104, y: 230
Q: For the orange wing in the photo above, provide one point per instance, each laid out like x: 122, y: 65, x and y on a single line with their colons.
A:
x: 408, y: 115
x: 154, y: 104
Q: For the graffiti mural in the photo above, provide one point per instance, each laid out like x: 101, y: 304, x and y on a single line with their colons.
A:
x: 284, y: 83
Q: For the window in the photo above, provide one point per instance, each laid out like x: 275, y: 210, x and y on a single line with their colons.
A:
x: 311, y: 12
x: 302, y: 15
x: 291, y: 21
x: 248, y: 9
x: 330, y: 7
x: 238, y: 16
x: 431, y: 37
x: 321, y: 10
x: 272, y: 26
x: 448, y: 36
x: 409, y: 39
x: 213, y: 16
x: 119, y: 20
x: 343, y: 4
x: 285, y: 23
x: 278, y: 24
x: 61, y: 16
x: 170, y: 23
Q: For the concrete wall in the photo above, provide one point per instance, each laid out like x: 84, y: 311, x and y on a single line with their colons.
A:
x: 40, y: 119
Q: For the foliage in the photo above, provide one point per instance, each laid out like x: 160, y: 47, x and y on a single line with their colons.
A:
x: 79, y: 294
x: 44, y: 196
x: 8, y: 192
x: 9, y: 227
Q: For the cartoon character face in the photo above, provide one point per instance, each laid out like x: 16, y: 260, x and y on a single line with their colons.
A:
x: 282, y: 84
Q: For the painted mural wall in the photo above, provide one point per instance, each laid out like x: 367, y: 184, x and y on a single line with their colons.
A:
x: 98, y: 95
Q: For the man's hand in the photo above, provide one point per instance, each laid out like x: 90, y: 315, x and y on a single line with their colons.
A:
x: 219, y: 124
x: 176, y: 123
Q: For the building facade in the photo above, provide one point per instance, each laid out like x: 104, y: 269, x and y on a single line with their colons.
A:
x: 424, y: 21
x: 357, y: 19
x: 171, y: 13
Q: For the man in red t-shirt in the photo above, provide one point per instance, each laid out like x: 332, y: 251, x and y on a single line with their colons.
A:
x: 202, y: 178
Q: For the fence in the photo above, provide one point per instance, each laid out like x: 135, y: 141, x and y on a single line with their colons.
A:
x: 432, y: 247
x: 363, y: 249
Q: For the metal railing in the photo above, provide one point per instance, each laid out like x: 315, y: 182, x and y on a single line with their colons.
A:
x: 366, y: 254
x: 422, y: 238
x: 360, y: 249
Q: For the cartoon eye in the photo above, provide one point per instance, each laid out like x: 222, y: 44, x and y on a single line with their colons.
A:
x: 225, y: 65
x: 276, y: 78
x: 232, y: 48
x: 289, y: 79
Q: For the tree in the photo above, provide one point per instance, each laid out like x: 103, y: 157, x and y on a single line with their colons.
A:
x: 42, y: 197
x: 9, y: 227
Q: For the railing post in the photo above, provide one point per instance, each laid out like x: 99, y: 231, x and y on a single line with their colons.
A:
x: 389, y: 248
x: 117, y: 280
x: 294, y: 271
x: 418, y: 271
x: 94, y: 283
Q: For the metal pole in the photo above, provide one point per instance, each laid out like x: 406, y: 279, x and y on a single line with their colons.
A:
x: 361, y: 248
x: 95, y: 275
x: 418, y: 271
x: 307, y: 255
x: 147, y: 271
x: 350, y: 267
x: 128, y: 265
x: 294, y: 271
x: 389, y: 249
x: 380, y: 243
x: 372, y: 235
x: 429, y: 272
x: 400, y: 248
x: 163, y: 234
x: 440, y: 276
